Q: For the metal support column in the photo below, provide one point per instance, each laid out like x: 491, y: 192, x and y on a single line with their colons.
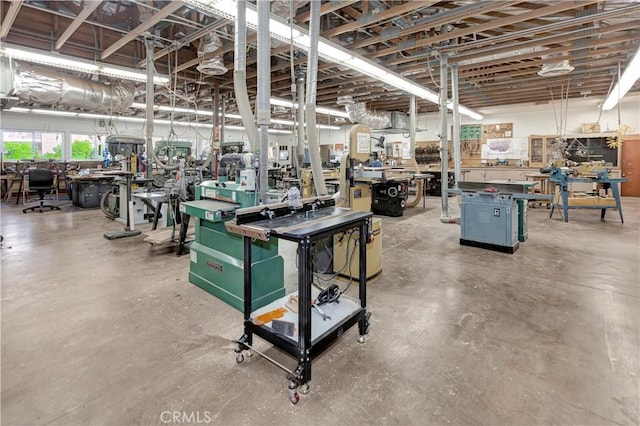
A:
x: 149, y: 100
x: 444, y: 155
x: 456, y: 123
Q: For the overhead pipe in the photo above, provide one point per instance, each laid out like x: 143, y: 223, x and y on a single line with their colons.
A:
x: 43, y: 85
x: 212, y: 66
x: 264, y: 91
x: 456, y: 123
x: 312, y: 82
x: 240, y: 73
x: 359, y: 114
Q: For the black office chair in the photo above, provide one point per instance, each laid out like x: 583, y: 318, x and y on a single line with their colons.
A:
x: 41, y: 180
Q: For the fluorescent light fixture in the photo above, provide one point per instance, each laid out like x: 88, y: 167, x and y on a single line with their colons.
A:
x: 320, y: 110
x: 626, y: 82
x: 328, y: 127
x: 48, y: 59
x: 274, y: 101
x: 75, y: 64
x: 327, y: 50
x: 125, y: 118
x: 468, y: 112
x: 55, y: 112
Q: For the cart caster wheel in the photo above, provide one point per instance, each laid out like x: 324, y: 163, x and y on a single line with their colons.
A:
x: 305, y: 389
x: 294, y: 397
x: 239, y: 358
x: 362, y: 339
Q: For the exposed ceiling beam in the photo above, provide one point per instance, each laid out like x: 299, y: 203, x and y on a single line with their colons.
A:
x: 609, y: 14
x: 153, y: 20
x: 12, y: 13
x: 495, y: 23
x: 196, y: 35
x: 435, y: 21
x: 574, y: 35
x: 556, y: 50
x: 329, y: 7
x: 90, y: 6
x: 371, y: 18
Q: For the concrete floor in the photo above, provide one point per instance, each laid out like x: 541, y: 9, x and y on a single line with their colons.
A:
x: 111, y: 332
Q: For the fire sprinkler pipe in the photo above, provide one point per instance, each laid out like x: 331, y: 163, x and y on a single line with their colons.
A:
x: 240, y: 73
x: 312, y: 76
x: 264, y: 91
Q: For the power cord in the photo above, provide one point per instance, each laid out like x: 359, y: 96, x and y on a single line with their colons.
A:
x: 329, y: 294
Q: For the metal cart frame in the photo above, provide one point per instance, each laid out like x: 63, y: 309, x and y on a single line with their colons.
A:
x: 305, y: 350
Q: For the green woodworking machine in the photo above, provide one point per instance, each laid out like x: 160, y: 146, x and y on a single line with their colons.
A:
x: 216, y: 259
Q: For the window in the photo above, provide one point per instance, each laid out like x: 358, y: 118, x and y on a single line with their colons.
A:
x: 18, y: 145
x: 27, y: 145
x: 86, y: 147
x: 48, y: 145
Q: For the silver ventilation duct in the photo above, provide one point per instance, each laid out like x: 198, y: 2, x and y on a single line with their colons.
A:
x: 358, y: 114
x: 213, y: 66
x: 281, y: 7
x: 37, y: 84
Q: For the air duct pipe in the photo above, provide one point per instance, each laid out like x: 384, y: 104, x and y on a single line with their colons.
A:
x: 310, y: 110
x: 281, y: 7
x: 412, y: 150
x: 215, y: 65
x: 412, y: 125
x: 149, y: 110
x: 444, y: 153
x: 264, y: 91
x: 240, y: 73
x: 42, y: 85
x: 358, y: 114
x: 300, y: 112
x: 456, y: 123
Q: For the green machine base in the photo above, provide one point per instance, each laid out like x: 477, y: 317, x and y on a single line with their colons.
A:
x: 217, y: 256
x: 223, y: 276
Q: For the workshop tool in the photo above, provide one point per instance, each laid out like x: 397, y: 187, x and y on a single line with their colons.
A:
x: 279, y: 221
x: 321, y: 312
x: 216, y: 256
x: 591, y: 172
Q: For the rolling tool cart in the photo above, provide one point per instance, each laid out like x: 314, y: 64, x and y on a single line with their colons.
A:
x: 300, y: 323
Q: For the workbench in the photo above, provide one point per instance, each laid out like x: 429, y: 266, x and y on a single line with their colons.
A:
x: 315, y: 333
x: 87, y: 191
x: 561, y: 179
x: 544, y: 190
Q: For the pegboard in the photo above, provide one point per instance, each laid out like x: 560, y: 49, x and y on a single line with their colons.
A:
x: 470, y: 132
x: 496, y: 131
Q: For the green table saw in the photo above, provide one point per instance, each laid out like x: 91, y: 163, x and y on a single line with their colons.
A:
x: 217, y: 257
